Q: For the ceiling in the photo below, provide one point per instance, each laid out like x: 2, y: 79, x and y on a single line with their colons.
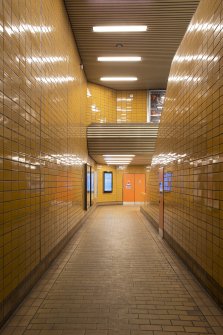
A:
x: 122, y: 139
x: 167, y: 21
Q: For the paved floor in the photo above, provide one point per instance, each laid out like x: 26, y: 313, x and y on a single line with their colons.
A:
x: 117, y: 277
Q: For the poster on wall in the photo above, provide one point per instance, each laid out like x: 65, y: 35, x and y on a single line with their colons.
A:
x: 92, y: 186
x: 88, y: 182
x: 107, y: 182
x: 87, y: 187
x: 156, y: 100
x: 168, y: 181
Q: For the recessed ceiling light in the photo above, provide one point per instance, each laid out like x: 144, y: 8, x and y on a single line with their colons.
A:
x: 117, y: 29
x: 118, y: 155
x: 116, y: 159
x: 118, y: 163
x: 120, y: 59
x: 118, y: 78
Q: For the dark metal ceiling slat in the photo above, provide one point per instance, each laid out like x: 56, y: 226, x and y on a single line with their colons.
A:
x: 137, y: 139
x: 167, y: 21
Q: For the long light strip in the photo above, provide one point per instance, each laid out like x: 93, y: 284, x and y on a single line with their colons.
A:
x: 118, y: 163
x: 118, y: 155
x: 118, y: 78
x: 120, y: 59
x: 118, y: 160
x: 117, y: 29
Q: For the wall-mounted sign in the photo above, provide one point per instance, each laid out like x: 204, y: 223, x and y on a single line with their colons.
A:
x: 107, y: 182
x: 128, y: 185
x: 155, y: 105
x: 161, y: 186
x: 168, y: 181
x: 89, y: 186
x: 88, y: 182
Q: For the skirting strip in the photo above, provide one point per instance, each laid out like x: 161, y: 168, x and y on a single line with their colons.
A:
x: 149, y: 218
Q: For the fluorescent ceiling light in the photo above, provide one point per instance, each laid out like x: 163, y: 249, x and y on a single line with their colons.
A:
x: 120, y: 59
x: 117, y: 163
x: 118, y: 78
x: 116, y: 160
x: 119, y: 156
x: 117, y: 29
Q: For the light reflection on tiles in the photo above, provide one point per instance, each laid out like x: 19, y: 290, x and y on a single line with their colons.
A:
x: 43, y: 106
x: 190, y: 144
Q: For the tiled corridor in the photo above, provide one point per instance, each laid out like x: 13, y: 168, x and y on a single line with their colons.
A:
x: 117, y: 276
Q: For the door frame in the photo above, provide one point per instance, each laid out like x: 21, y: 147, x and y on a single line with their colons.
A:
x: 134, y: 202
x: 161, y: 201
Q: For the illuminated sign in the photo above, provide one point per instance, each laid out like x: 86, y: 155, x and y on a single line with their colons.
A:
x: 107, y: 183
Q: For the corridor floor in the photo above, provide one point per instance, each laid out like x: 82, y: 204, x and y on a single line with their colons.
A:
x: 117, y: 277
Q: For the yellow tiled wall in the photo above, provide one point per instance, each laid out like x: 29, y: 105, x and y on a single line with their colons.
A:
x: 116, y: 195
x: 101, y: 104
x: 132, y: 106
x: 43, y: 145
x: 106, y: 105
x: 190, y: 145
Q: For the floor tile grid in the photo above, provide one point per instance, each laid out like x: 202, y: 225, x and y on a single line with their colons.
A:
x: 190, y: 329
x: 48, y: 282
x: 208, y: 307
x: 154, y: 328
x: 151, y: 327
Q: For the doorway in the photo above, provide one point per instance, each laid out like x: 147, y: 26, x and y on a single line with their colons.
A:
x: 133, y: 188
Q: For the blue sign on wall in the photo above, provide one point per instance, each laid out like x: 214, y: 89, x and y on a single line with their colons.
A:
x: 168, y: 181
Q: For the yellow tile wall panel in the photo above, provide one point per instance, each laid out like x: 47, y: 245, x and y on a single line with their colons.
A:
x: 101, y: 104
x: 43, y: 103
x: 190, y: 143
x: 132, y: 106
x: 110, y: 106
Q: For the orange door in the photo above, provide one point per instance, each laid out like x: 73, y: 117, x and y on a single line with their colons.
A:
x: 128, y: 188
x: 140, y: 182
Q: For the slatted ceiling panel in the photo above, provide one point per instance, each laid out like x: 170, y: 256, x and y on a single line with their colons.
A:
x: 167, y: 21
x: 138, y: 139
x: 137, y: 160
